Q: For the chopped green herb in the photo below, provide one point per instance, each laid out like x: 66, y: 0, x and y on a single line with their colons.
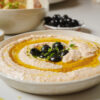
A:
x: 52, y: 54
x: 2, y: 3
x: 68, y: 49
x: 34, y: 56
x: 50, y: 49
x: 57, y: 49
x: 16, y: 5
x: 10, y: 5
x: 13, y: 5
x: 47, y: 53
x: 72, y: 45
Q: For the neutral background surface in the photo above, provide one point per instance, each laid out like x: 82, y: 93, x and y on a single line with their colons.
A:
x: 85, y: 11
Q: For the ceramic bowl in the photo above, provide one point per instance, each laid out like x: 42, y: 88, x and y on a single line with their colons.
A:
x: 52, y: 88
x: 14, y: 21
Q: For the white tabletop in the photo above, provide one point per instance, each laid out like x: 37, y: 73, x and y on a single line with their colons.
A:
x: 85, y: 11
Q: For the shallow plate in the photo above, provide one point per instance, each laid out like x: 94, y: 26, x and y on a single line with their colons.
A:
x: 52, y: 88
x: 77, y: 28
x: 64, y: 28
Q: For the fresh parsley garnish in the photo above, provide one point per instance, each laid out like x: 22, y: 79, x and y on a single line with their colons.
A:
x: 68, y: 49
x: 72, y: 45
x: 51, y: 55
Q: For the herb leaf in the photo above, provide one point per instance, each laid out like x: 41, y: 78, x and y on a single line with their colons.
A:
x: 68, y: 49
x: 52, y: 54
x: 72, y: 45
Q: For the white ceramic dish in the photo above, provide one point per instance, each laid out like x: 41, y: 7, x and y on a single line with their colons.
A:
x: 65, y: 28
x: 14, y: 21
x: 54, y: 88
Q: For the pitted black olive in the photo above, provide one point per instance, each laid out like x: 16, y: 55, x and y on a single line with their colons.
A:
x: 35, y: 52
x: 45, y: 48
x: 64, y: 52
x: 58, y: 45
x: 55, y: 58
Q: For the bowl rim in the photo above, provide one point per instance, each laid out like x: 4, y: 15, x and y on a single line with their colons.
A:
x: 63, y: 28
x: 20, y: 9
x: 2, y: 75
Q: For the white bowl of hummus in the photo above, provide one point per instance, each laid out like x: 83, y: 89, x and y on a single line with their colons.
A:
x: 51, y: 62
x: 18, y: 16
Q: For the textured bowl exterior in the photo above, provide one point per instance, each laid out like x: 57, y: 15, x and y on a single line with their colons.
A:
x: 17, y: 21
x: 52, y: 88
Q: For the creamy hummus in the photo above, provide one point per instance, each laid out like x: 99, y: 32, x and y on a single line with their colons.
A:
x: 82, y: 60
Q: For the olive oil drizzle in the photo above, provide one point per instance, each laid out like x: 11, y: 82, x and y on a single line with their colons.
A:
x: 66, y: 67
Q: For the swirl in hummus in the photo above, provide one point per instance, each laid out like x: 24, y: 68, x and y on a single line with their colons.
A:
x: 80, y: 62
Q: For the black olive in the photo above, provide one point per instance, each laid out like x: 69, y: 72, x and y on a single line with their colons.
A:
x: 62, y: 22
x: 70, y: 24
x: 55, y: 58
x: 59, y: 21
x: 35, y: 52
x: 69, y: 20
x: 51, y: 23
x: 54, y: 22
x: 57, y: 16
x: 75, y: 23
x: 54, y: 51
x: 64, y: 52
x: 47, y: 20
x: 45, y: 48
x: 58, y: 45
x: 61, y: 25
x: 66, y: 25
x: 65, y: 16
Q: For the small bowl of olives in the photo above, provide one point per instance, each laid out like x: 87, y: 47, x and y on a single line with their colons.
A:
x: 62, y: 23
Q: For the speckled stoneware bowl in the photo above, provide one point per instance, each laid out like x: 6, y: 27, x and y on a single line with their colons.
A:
x: 14, y: 21
x: 52, y: 88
